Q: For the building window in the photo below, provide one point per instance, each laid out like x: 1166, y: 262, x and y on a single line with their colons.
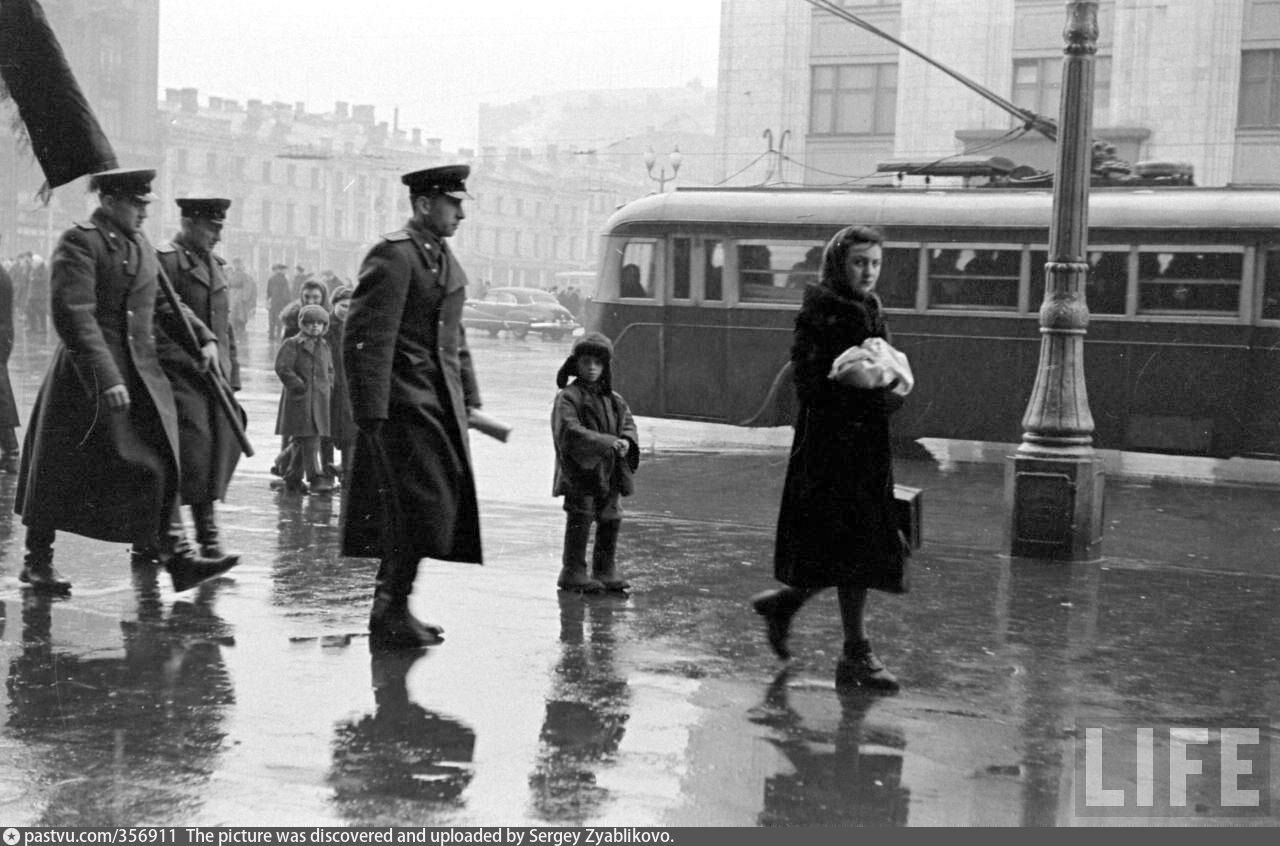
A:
x: 362, y: 225
x: 313, y: 224
x: 854, y: 99
x: 181, y: 162
x: 337, y: 223
x: 1260, y: 88
x: 266, y: 215
x: 1037, y: 87
x: 291, y: 175
x: 266, y: 171
x: 315, y: 177
x: 288, y: 217
x: 211, y: 163
x: 237, y: 167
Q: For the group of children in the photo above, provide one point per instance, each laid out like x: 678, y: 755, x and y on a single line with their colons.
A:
x: 314, y: 417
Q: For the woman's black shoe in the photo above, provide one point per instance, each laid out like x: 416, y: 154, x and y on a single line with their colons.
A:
x: 777, y: 607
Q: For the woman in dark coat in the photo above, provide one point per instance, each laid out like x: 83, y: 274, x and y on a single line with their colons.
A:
x: 837, y: 526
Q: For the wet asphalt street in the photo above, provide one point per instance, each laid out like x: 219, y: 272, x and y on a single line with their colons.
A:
x: 253, y: 700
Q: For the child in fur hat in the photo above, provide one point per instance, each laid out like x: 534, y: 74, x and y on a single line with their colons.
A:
x: 597, y: 450
x: 305, y: 366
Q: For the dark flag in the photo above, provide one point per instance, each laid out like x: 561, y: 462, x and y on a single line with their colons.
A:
x: 65, y: 136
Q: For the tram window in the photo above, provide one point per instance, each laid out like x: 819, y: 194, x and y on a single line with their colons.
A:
x: 974, y: 278
x: 636, y: 278
x: 681, y: 268
x: 713, y: 271
x: 1105, y: 288
x: 777, y: 271
x: 1271, y: 287
x: 1183, y: 281
x: 898, y: 277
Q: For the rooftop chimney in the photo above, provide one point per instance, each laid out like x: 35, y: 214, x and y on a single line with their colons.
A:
x: 434, y: 145
x: 362, y: 114
x: 341, y: 110
x: 299, y: 108
x: 417, y: 137
x: 190, y: 99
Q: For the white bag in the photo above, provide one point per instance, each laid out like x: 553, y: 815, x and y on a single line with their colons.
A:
x: 874, y: 364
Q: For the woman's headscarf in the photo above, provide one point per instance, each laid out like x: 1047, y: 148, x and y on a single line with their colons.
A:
x: 832, y: 274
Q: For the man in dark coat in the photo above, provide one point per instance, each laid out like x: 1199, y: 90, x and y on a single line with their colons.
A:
x: 411, y: 490
x: 101, y: 452
x: 8, y: 408
x: 279, y: 295
x: 208, y: 449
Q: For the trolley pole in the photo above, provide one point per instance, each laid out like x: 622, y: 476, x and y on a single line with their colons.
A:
x: 1054, y: 481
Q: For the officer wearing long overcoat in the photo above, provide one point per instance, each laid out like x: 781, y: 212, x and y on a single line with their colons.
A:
x: 207, y: 447
x: 411, y: 493
x: 101, y: 451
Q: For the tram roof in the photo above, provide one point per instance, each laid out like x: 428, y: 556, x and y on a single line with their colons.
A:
x: 1173, y: 208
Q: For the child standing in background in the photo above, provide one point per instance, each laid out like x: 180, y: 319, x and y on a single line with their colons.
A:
x: 305, y: 366
x: 597, y: 450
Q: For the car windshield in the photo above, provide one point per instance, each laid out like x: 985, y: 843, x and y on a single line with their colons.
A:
x: 524, y: 296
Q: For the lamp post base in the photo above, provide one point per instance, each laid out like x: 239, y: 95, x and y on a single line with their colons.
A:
x: 1055, y: 506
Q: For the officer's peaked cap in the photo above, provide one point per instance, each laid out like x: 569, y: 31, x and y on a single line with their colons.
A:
x: 450, y: 180
x: 124, y: 182
x: 210, y: 208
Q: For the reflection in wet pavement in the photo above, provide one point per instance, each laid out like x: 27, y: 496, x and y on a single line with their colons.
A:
x: 254, y: 700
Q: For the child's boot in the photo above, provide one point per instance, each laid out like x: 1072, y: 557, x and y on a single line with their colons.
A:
x: 573, y: 572
x: 603, y: 557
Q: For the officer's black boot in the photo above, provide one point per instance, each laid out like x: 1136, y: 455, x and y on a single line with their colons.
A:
x: 207, y: 533
x: 604, y: 568
x: 391, y: 625
x: 573, y: 571
x: 187, y: 567
x: 37, y: 567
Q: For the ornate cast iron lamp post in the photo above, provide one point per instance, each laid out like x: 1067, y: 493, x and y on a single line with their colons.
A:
x: 651, y: 158
x: 1054, y: 482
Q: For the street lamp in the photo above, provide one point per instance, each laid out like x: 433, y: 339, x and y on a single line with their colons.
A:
x: 1055, y: 480
x: 651, y: 158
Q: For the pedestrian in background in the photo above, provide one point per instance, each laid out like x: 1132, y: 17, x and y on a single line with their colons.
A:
x: 597, y: 450
x: 278, y: 296
x: 837, y: 526
x: 9, y: 420
x: 342, y: 427
x: 410, y: 491
x: 305, y: 366
x: 313, y: 292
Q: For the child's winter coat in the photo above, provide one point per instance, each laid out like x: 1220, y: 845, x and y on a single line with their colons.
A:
x: 585, y: 421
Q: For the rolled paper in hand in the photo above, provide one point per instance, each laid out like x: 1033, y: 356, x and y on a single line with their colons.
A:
x: 491, y: 426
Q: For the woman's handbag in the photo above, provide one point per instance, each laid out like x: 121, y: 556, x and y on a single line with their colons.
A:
x: 907, y: 505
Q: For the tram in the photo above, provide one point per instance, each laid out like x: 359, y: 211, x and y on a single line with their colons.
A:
x: 699, y: 289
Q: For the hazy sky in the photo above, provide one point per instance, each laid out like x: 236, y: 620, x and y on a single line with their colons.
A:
x: 435, y: 60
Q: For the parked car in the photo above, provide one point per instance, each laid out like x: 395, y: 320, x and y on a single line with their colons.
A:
x: 519, y: 311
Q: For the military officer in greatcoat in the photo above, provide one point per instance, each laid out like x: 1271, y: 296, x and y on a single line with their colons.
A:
x: 207, y: 448
x: 101, y: 451
x: 410, y: 492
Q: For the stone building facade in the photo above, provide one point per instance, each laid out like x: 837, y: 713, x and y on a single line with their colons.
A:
x: 1196, y: 81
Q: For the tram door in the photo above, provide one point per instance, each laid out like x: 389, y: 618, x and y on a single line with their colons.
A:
x: 694, y: 356
x: 1262, y: 420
